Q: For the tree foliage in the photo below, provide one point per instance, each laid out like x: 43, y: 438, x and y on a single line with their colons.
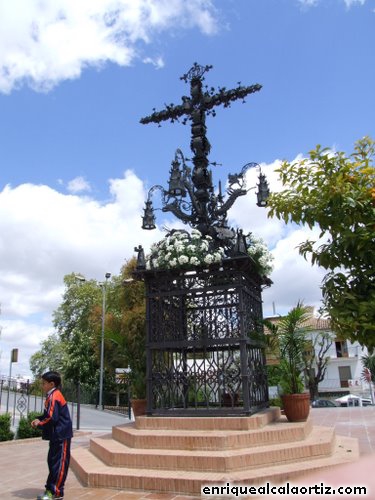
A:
x: 337, y: 193
x: 73, y: 321
x: 49, y: 357
x: 74, y: 348
x: 131, y: 332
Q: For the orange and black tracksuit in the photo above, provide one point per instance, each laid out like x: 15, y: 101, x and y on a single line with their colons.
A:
x: 56, y: 426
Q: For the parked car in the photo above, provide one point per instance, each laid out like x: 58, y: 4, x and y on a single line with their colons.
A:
x: 352, y: 400
x: 366, y: 402
x: 323, y: 403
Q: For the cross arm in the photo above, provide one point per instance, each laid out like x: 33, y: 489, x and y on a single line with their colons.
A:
x: 170, y: 113
x: 226, y: 96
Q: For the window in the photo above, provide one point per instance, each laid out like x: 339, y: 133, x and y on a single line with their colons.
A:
x: 345, y: 374
x: 341, y: 348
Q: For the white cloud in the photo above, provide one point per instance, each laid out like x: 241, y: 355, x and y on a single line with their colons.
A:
x: 348, y: 3
x: 294, y: 278
x: 78, y: 185
x: 43, y: 43
x: 246, y: 214
x: 309, y: 3
x: 45, y: 234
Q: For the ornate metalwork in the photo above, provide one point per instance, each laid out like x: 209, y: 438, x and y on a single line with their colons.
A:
x: 203, y: 344
x: 22, y: 404
x: 190, y: 195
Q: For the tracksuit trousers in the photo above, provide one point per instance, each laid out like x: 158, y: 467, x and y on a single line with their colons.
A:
x: 58, y: 465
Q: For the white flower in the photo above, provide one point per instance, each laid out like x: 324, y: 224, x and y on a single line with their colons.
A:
x: 183, y: 259
x: 194, y: 261
x: 217, y: 257
x: 208, y: 259
x: 173, y: 262
x: 195, y: 234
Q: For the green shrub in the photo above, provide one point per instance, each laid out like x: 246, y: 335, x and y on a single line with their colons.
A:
x: 276, y: 402
x: 5, y: 432
x: 25, y: 430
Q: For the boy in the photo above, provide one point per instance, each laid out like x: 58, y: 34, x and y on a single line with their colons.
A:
x: 56, y: 426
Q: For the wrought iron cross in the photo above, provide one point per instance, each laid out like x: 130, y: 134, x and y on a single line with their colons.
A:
x: 195, y: 108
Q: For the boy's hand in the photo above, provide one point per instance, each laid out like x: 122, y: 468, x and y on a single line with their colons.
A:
x: 35, y: 423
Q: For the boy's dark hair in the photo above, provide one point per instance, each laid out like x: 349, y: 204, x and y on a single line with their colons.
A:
x: 54, y: 377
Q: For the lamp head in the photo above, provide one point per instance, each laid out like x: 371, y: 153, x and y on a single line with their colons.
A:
x: 263, y: 191
x: 176, y: 184
x: 148, y: 219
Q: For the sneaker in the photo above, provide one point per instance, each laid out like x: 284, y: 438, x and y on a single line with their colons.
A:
x: 48, y: 495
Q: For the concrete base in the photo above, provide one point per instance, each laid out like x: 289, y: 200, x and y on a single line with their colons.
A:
x: 180, y: 455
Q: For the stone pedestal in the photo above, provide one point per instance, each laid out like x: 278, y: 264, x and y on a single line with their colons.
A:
x: 180, y: 455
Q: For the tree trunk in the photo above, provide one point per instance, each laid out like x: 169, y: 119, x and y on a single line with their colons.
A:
x: 313, y: 389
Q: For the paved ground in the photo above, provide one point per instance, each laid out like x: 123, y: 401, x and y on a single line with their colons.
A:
x: 23, y: 466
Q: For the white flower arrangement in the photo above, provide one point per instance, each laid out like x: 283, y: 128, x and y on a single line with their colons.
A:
x: 179, y: 249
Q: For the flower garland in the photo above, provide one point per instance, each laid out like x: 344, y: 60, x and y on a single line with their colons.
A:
x: 179, y: 249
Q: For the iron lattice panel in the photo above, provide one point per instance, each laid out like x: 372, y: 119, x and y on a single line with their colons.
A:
x: 203, y: 354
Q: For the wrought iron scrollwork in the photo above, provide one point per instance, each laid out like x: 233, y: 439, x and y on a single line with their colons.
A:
x: 191, y: 195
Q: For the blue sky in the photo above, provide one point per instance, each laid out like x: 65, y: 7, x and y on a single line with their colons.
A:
x: 76, y: 164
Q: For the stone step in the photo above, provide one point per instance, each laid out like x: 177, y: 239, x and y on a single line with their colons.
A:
x: 94, y: 473
x: 276, y: 432
x: 319, y: 443
x: 256, y: 421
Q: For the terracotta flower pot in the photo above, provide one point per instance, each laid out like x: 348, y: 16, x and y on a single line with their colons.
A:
x: 139, y: 407
x: 296, y: 406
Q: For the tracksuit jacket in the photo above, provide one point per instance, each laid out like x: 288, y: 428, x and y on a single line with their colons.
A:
x: 56, y: 426
x: 55, y: 422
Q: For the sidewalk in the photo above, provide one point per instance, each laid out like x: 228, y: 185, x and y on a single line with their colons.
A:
x: 23, y: 467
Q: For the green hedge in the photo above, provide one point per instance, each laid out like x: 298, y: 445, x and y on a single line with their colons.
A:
x: 5, y: 432
x: 25, y: 430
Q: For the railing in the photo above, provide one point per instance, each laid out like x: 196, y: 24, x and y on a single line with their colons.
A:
x: 20, y: 398
x: 17, y: 399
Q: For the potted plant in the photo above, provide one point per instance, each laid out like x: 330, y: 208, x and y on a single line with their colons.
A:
x: 138, y: 392
x: 291, y: 333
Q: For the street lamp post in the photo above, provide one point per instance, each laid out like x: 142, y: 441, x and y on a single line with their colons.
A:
x: 104, y: 288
